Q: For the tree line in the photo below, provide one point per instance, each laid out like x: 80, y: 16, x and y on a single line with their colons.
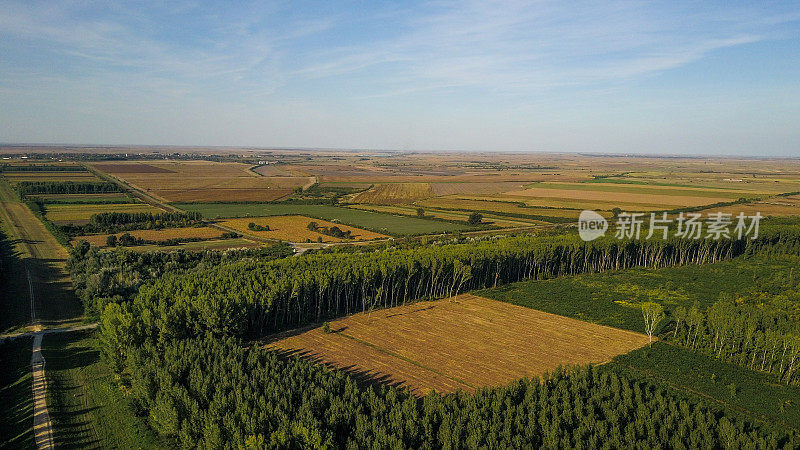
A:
x: 251, y: 298
x: 65, y: 187
x: 40, y: 168
x: 212, y: 392
x: 766, y: 340
x: 114, y: 222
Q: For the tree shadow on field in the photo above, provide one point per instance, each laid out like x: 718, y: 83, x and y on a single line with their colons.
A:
x: 16, y: 384
x: 363, y: 377
x: 69, y: 410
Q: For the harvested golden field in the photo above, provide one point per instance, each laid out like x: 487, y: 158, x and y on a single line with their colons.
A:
x: 447, y: 215
x: 394, y: 193
x: 775, y: 206
x: 474, y: 188
x: 158, y: 235
x: 295, y: 229
x: 79, y: 212
x: 220, y: 194
x: 662, y: 200
x: 201, y: 181
x: 214, y: 244
x: 493, y: 204
x: 461, y: 344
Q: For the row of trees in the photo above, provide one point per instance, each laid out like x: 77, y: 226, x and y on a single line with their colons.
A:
x: 127, y: 240
x: 212, y: 392
x: 114, y: 222
x: 759, y: 339
x: 6, y: 167
x: 251, y: 298
x: 65, y: 187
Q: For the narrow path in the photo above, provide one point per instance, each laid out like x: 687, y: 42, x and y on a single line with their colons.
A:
x: 42, y: 425
x: 44, y: 259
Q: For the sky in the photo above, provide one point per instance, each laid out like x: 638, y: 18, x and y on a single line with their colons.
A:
x: 672, y: 77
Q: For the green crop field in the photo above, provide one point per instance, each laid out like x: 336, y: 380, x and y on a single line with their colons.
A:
x: 614, y: 298
x: 757, y: 395
x: 87, y: 407
x: 397, y: 225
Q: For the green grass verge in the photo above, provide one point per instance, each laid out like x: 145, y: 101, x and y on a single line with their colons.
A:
x: 15, y: 309
x: 614, y: 298
x: 757, y: 396
x: 397, y: 225
x: 16, y: 397
x: 86, y: 407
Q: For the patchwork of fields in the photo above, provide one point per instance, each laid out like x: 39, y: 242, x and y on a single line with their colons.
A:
x: 379, y: 222
x: 157, y: 235
x: 201, y: 181
x: 479, y: 342
x: 81, y: 213
x: 295, y: 229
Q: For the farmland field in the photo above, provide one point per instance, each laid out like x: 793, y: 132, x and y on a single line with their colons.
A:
x: 18, y: 177
x: 478, y: 342
x: 614, y: 298
x: 112, y: 197
x: 759, y: 396
x: 199, y: 181
x: 295, y: 229
x: 379, y: 222
x: 76, y: 213
x: 394, y: 193
x: 510, y: 207
x: 157, y: 235
x: 447, y: 215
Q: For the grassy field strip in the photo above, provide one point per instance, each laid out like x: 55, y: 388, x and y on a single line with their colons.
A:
x: 88, y: 409
x: 43, y: 257
x: 16, y: 383
x: 295, y: 229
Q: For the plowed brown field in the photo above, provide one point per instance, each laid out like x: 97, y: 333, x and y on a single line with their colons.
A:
x: 461, y: 344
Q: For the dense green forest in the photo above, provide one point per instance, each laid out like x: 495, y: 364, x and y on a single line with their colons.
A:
x: 100, y: 276
x: 212, y: 392
x: 172, y: 324
x: 65, y: 187
x: 252, y: 298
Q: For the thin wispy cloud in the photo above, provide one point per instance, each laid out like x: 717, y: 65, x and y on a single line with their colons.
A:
x: 345, y: 57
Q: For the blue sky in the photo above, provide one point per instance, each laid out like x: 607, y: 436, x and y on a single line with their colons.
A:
x: 644, y: 77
